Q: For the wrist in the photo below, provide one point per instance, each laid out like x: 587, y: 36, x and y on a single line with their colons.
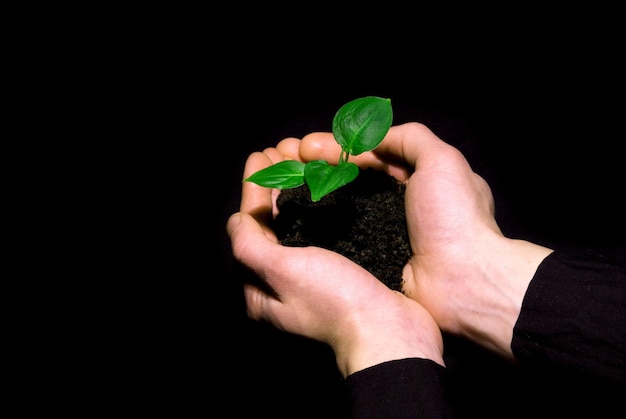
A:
x: 406, y: 331
x: 491, y: 307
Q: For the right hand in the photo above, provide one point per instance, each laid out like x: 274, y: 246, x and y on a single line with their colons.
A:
x: 463, y: 270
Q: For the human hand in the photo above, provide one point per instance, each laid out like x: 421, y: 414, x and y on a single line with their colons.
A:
x: 463, y: 270
x: 320, y: 294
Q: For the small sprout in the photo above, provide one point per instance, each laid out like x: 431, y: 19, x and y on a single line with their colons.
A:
x: 358, y: 126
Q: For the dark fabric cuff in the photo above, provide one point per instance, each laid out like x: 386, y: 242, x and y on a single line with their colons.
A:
x: 405, y: 388
x: 573, y: 317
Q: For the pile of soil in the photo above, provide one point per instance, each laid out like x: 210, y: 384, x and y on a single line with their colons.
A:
x: 363, y: 220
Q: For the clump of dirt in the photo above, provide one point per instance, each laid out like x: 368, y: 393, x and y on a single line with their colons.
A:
x: 363, y: 220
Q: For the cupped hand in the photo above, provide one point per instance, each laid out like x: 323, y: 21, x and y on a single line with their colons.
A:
x: 463, y: 270
x: 320, y: 294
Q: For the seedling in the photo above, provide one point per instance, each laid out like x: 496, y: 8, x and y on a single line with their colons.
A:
x: 358, y: 126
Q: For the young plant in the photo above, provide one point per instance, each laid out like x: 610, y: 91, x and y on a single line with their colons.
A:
x: 358, y: 126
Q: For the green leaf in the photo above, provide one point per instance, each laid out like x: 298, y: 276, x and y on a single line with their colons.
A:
x: 360, y: 125
x: 323, y: 178
x: 282, y: 175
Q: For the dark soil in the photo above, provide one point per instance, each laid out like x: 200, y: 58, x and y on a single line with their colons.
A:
x: 363, y: 220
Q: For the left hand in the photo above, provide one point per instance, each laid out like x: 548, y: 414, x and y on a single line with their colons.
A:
x: 320, y: 294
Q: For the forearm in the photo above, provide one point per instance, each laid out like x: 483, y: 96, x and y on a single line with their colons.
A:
x: 574, y: 316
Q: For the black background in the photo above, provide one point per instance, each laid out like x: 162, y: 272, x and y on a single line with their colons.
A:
x: 544, y: 129
x: 549, y: 149
x: 166, y: 106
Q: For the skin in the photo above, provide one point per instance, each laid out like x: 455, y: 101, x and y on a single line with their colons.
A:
x: 465, y: 277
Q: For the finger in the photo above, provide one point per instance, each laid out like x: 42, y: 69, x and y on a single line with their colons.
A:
x: 252, y: 247
x: 260, y: 305
x: 256, y: 200
x: 274, y: 155
x: 289, y: 148
x: 286, y: 316
x: 415, y: 144
x: 286, y: 149
x: 322, y: 145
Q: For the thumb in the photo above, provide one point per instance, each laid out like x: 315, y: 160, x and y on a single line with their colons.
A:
x: 250, y: 242
x: 413, y: 143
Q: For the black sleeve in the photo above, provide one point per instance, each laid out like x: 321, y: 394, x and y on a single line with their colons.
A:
x: 405, y: 388
x: 573, y: 318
